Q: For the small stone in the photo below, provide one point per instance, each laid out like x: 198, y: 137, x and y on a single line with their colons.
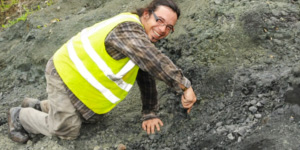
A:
x: 239, y: 139
x: 274, y: 19
x: 258, y: 116
x: 292, y: 119
x: 97, y: 148
x: 218, y: 1
x: 264, y: 101
x: 231, y: 127
x: 259, y: 104
x: 29, y: 143
x: 295, y: 108
x: 284, y: 13
x: 221, y: 130
x: 23, y: 76
x: 280, y: 111
x: 221, y: 106
x: 83, y: 10
x: 184, y: 147
x: 275, y: 12
x: 229, y: 121
x: 219, y: 124
x: 241, y: 131
x: 253, y: 102
x: 253, y: 109
x: 278, y: 42
x: 230, y: 136
x: 296, y: 71
x: 247, y: 103
x: 154, y: 136
x: 278, y: 36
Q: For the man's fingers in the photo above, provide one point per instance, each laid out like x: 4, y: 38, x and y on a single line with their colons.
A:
x: 150, y: 125
x: 148, y: 130
x: 187, y: 105
x: 190, y: 105
x: 144, y: 126
x: 189, y: 110
x: 157, y: 127
x: 152, y: 129
x: 161, y: 123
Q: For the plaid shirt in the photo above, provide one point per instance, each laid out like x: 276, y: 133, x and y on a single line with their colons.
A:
x: 129, y: 39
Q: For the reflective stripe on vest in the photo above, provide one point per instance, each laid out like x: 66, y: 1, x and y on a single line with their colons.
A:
x: 75, y: 57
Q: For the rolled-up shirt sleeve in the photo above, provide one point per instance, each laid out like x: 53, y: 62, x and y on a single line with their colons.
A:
x: 148, y: 90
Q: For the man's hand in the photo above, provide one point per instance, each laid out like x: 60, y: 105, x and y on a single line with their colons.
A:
x: 188, y: 99
x: 149, y: 125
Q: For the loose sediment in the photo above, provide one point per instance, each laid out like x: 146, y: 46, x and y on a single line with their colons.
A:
x: 242, y: 57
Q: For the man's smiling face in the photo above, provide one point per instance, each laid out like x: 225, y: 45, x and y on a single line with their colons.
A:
x: 154, y: 29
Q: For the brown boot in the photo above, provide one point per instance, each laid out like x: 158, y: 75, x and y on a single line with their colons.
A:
x: 30, y: 102
x: 16, y: 131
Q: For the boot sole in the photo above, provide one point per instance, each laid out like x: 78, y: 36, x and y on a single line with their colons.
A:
x: 23, y: 137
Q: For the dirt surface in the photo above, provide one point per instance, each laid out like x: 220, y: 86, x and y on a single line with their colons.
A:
x: 242, y: 57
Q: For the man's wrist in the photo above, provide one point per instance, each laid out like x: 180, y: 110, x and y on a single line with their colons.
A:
x: 184, y: 89
x: 149, y: 116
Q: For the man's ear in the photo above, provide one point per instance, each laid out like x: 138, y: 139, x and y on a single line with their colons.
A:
x: 146, y: 14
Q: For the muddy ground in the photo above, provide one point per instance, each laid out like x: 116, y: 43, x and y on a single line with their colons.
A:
x: 242, y: 57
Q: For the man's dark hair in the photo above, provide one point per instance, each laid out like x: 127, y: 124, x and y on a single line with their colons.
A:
x: 155, y: 3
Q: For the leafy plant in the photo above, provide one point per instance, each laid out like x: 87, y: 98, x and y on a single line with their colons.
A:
x: 23, y: 17
x: 49, y: 2
x: 4, y: 6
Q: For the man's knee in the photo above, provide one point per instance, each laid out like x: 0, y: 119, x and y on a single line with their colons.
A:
x: 70, y: 133
x: 45, y: 106
x: 66, y: 130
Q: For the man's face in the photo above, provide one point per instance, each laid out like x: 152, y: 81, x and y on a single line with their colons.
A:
x: 158, y: 29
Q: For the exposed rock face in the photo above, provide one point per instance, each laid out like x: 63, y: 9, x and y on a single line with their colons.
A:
x: 242, y: 57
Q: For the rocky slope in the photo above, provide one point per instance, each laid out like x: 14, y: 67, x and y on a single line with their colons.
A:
x: 242, y: 57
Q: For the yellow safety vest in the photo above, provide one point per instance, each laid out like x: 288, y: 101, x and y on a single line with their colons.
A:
x: 98, y: 80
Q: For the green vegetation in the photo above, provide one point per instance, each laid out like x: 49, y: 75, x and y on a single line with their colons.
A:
x: 49, y: 2
x: 21, y: 18
x: 6, y: 5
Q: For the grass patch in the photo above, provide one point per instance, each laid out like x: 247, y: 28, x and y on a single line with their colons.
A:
x: 6, y: 4
x: 21, y: 18
x: 14, y: 11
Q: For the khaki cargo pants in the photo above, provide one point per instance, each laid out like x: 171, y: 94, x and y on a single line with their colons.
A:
x: 58, y: 116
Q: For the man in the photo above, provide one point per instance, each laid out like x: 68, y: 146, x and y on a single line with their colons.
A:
x: 94, y: 71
